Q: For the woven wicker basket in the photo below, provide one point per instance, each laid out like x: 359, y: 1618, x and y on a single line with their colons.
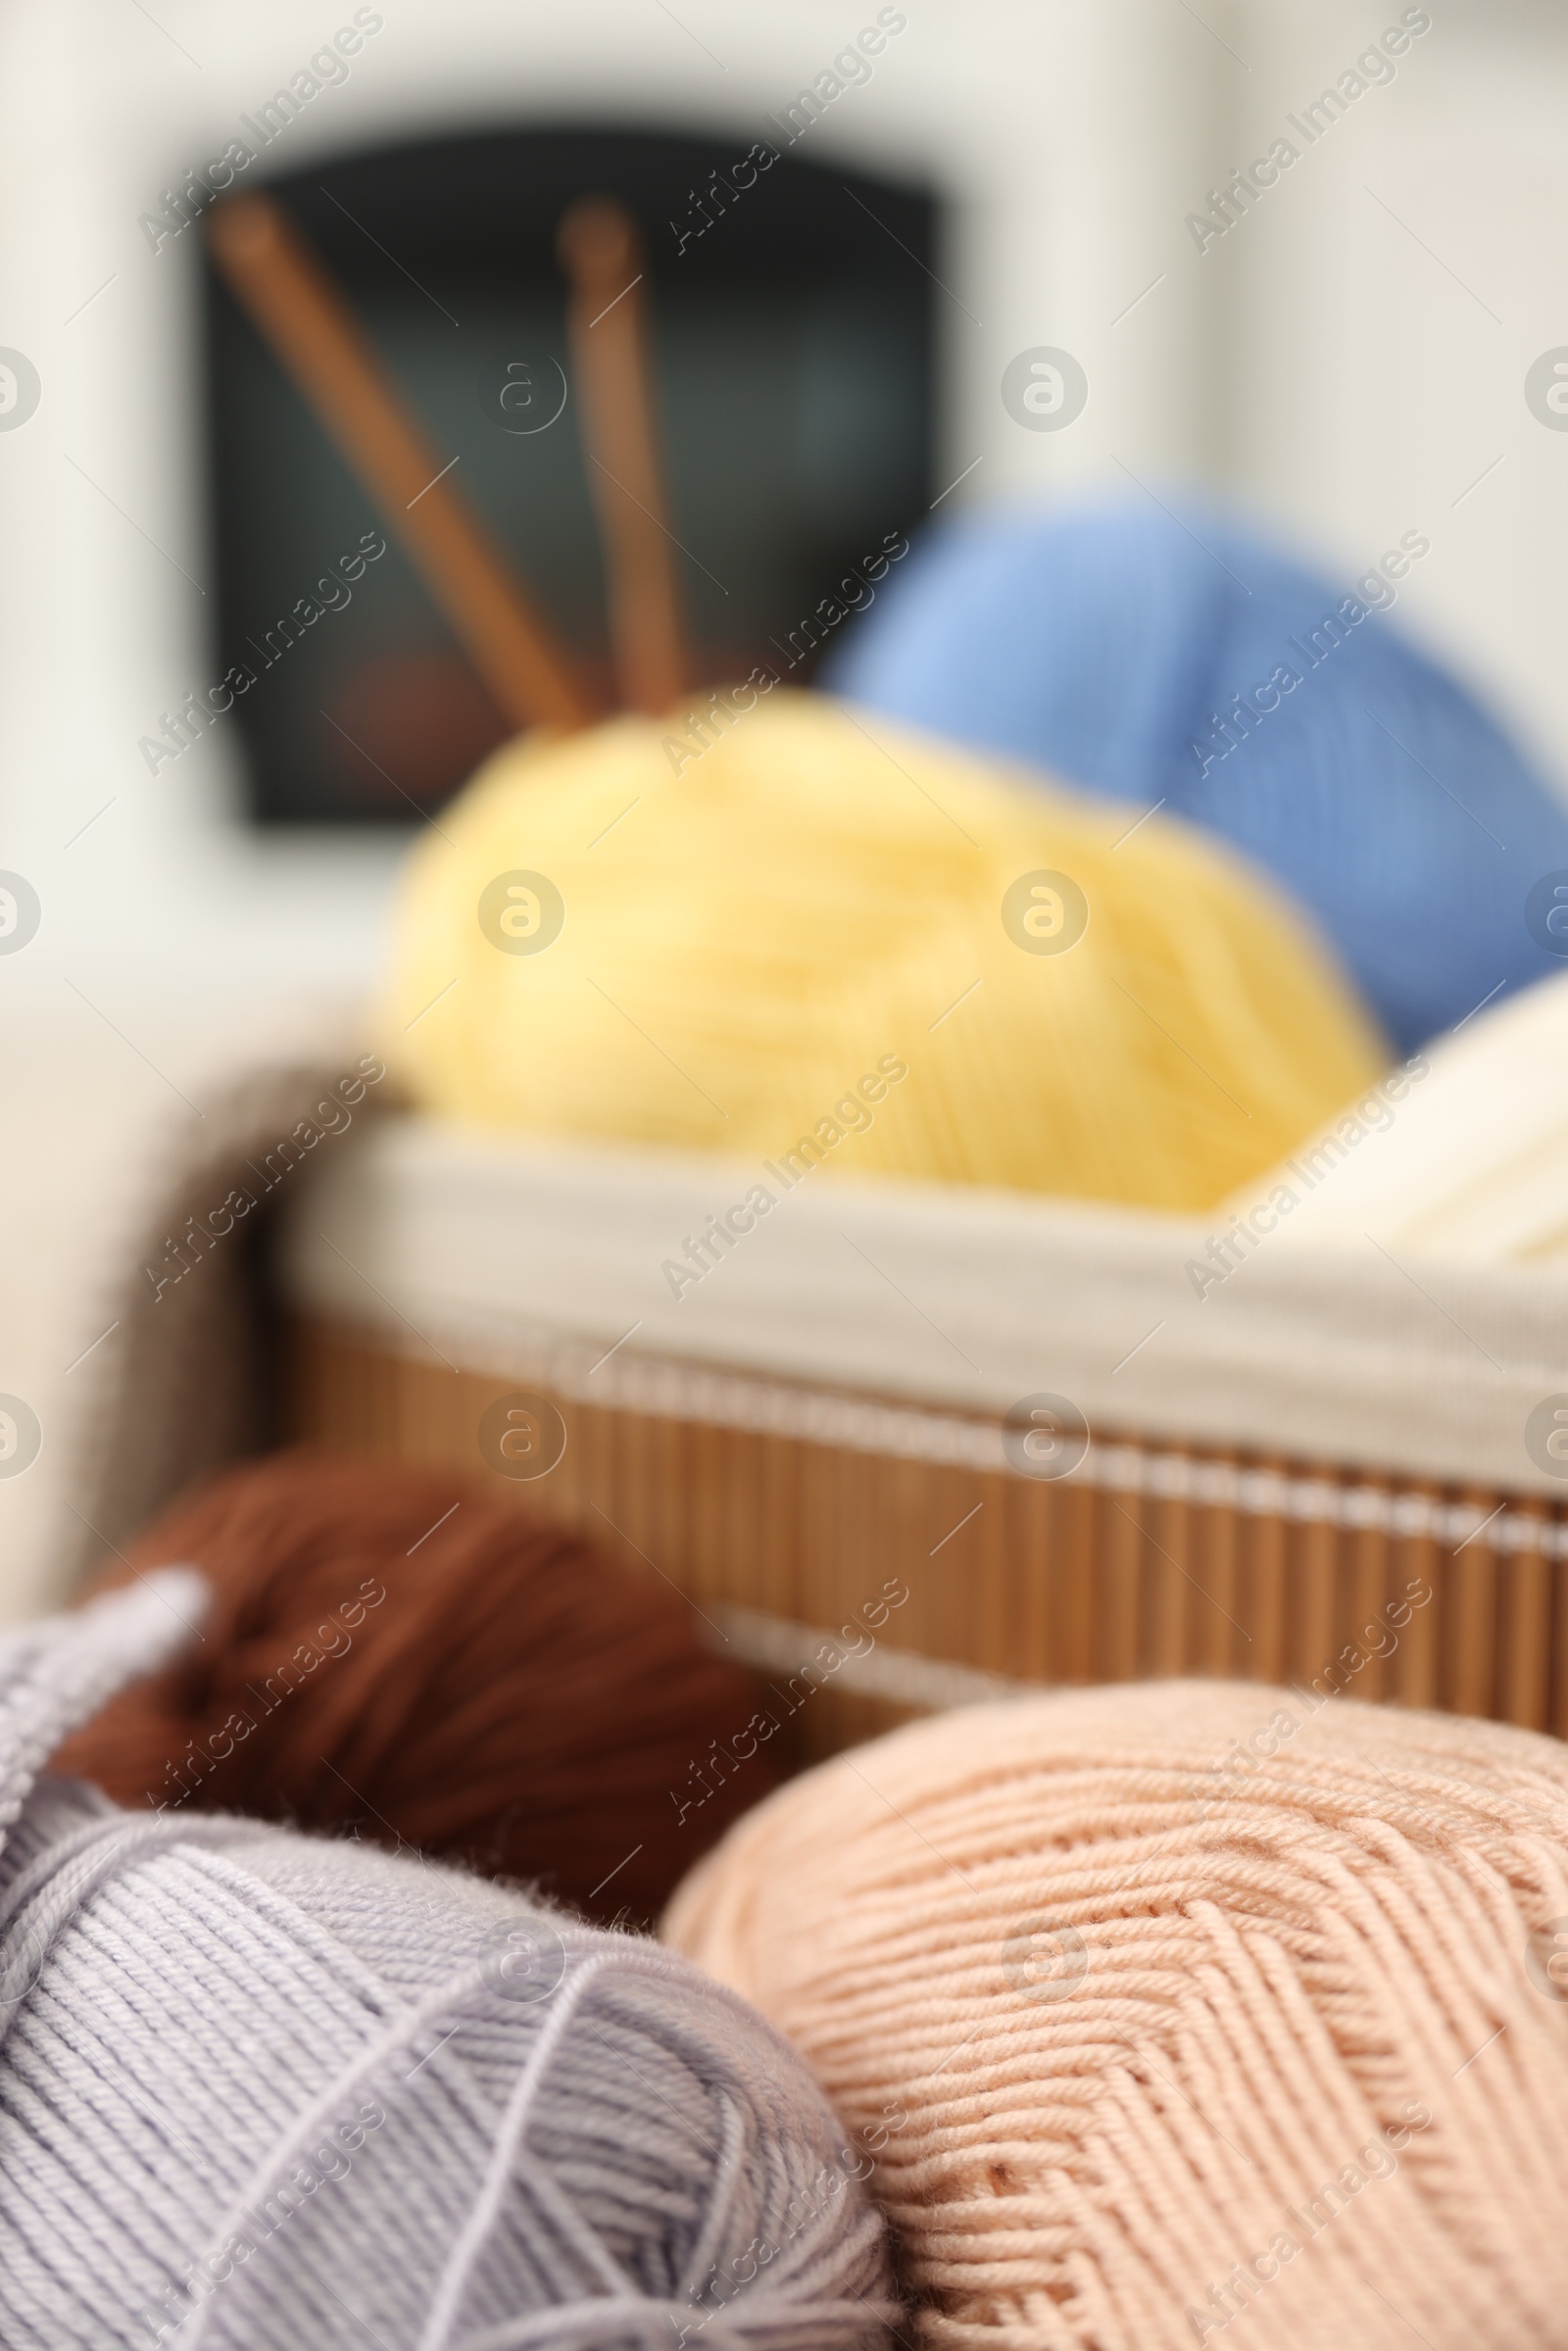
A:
x: 782, y: 1510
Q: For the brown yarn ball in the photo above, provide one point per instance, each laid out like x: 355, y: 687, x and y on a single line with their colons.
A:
x: 513, y: 1700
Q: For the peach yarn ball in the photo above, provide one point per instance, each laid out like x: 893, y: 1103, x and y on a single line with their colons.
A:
x: 1173, y: 2011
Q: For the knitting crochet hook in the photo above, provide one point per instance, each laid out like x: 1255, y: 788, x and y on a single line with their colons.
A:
x: 608, y: 323
x: 310, y: 331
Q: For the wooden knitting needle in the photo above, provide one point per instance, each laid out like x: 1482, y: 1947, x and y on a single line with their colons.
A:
x: 310, y: 331
x: 607, y: 324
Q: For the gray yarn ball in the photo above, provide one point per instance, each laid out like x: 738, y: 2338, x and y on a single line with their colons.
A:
x: 263, y: 2090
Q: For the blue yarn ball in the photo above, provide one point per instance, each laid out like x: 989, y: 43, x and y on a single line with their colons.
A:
x: 1106, y: 642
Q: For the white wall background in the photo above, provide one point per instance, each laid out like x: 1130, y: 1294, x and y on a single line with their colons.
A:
x: 1376, y: 364
x: 1349, y: 371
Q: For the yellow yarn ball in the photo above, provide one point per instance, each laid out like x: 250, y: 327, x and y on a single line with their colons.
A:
x: 747, y: 934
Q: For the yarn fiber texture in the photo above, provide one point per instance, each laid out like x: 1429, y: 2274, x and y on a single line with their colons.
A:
x: 511, y: 1699
x: 259, y: 2090
x: 1179, y: 2010
x: 1469, y: 1164
x: 1105, y: 644
x: 797, y: 943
